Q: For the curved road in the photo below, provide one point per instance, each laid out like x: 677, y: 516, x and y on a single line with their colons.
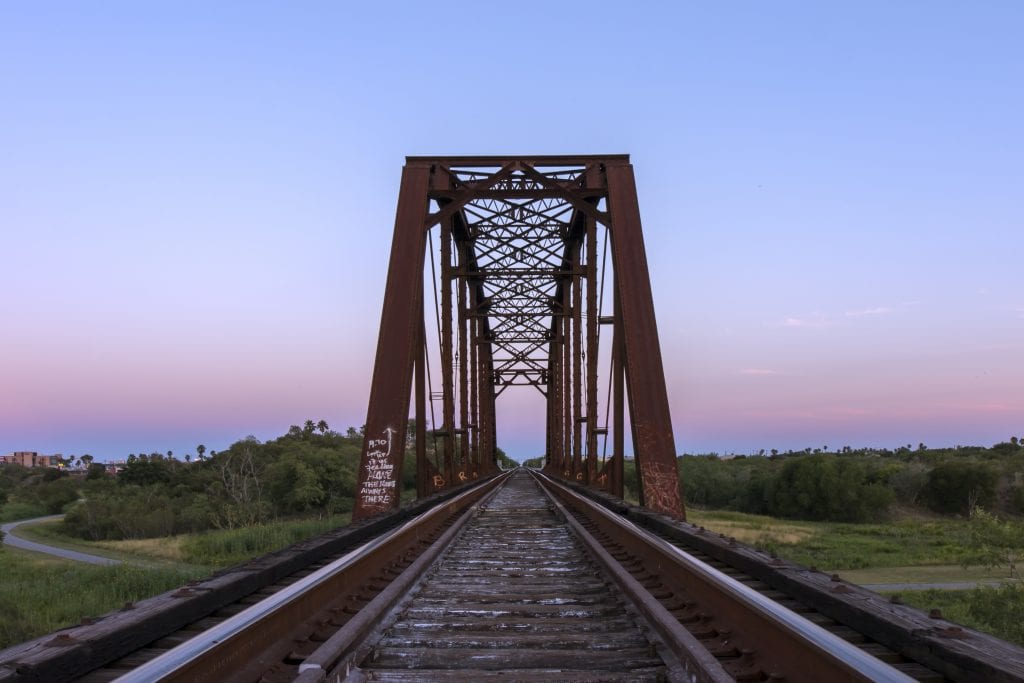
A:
x: 17, y: 542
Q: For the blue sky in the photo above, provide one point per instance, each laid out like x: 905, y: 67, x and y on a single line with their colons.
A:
x: 197, y: 202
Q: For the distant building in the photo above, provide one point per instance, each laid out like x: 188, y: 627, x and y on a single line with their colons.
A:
x: 114, y: 467
x: 30, y: 459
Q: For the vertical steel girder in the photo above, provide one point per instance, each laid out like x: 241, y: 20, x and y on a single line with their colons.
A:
x: 653, y: 442
x: 380, y: 469
x: 520, y: 296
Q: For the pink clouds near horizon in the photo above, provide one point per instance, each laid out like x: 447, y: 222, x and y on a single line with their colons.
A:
x: 833, y: 224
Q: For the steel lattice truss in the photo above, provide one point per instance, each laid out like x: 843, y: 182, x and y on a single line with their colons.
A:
x: 518, y: 306
x: 519, y: 247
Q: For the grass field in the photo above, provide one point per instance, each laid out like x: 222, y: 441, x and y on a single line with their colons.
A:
x: 835, y: 546
x: 40, y: 593
x: 226, y: 547
x: 905, y: 551
x: 999, y: 611
x: 152, y: 552
x: 909, y: 550
x: 209, y: 550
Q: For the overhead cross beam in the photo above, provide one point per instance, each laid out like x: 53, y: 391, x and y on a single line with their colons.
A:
x: 518, y: 303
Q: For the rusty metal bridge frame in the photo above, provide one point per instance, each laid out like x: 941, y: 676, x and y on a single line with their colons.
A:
x: 521, y: 295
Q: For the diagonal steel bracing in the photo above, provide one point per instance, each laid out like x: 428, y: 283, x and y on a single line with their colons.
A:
x: 524, y: 289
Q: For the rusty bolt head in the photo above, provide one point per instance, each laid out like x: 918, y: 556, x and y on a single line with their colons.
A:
x: 935, y: 613
x: 896, y: 599
x: 835, y: 577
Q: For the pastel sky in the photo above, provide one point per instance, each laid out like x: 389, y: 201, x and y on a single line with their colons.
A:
x: 196, y: 205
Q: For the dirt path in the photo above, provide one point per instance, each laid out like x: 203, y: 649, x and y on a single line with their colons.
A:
x: 17, y: 542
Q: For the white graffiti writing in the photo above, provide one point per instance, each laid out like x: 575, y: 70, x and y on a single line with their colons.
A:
x: 378, y: 487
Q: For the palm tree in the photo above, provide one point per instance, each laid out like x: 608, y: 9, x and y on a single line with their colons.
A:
x: 200, y: 449
x: 322, y: 426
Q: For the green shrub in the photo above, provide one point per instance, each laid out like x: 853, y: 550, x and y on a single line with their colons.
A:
x: 1017, y: 497
x: 15, y: 511
x: 908, y: 482
x: 56, y: 495
x: 957, y: 486
x: 823, y: 487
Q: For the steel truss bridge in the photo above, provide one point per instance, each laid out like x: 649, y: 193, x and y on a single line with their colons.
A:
x: 535, y: 255
x: 508, y: 273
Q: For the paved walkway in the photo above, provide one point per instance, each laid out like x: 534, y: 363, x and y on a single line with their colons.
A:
x: 17, y: 542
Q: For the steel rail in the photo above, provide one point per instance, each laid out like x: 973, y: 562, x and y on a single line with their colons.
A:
x: 844, y: 655
x: 690, y: 659
x: 341, y: 651
x: 549, y: 632
x: 175, y: 662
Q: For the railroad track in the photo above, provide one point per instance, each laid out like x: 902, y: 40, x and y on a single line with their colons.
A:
x: 506, y: 590
x: 104, y: 648
x: 522, y: 578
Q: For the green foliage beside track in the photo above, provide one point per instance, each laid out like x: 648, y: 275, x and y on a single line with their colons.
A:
x: 27, y: 493
x: 226, y: 547
x: 251, y: 483
x: 995, y: 610
x: 39, y: 594
x: 309, y: 472
x: 859, y: 485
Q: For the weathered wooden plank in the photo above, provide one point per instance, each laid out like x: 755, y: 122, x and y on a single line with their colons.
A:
x: 623, y: 659
x: 648, y: 675
x: 515, y: 599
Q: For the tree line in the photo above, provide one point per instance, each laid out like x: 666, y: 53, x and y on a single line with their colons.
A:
x: 860, y: 485
x: 309, y: 471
